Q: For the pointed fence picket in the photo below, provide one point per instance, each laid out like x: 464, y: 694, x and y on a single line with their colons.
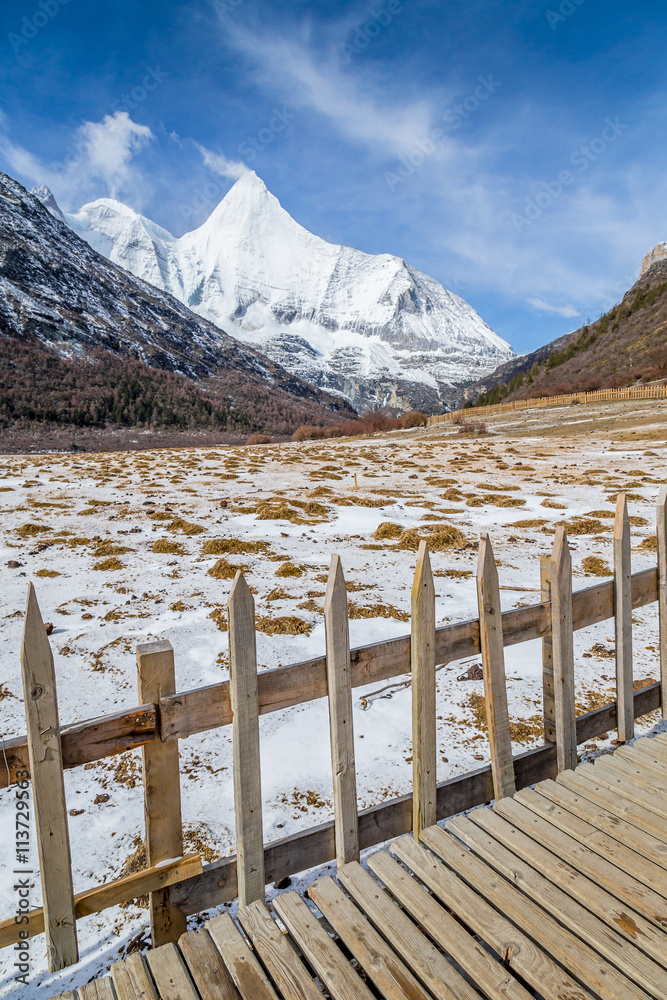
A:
x: 422, y: 662
x: 623, y: 621
x: 177, y: 884
x: 493, y: 665
x: 339, y: 682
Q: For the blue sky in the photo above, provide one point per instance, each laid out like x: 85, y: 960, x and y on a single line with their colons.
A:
x: 514, y: 151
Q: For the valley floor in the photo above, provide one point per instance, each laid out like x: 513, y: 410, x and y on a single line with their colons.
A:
x: 130, y: 546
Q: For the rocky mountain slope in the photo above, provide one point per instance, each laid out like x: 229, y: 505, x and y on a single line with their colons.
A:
x: 68, y: 317
x: 627, y: 344
x: 370, y: 328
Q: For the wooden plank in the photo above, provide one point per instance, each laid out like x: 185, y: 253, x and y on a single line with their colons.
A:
x: 595, y: 840
x: 69, y: 995
x: 245, y: 739
x: 393, y: 818
x: 548, y: 703
x: 391, y: 976
x: 642, y: 775
x: 618, y: 781
x: 48, y: 789
x: 493, y: 664
x: 661, y: 535
x: 603, y: 904
x: 208, y: 971
x: 162, y: 790
x: 243, y: 967
x: 597, y: 868
x: 132, y: 980
x: 170, y: 974
x: 578, y: 957
x: 653, y: 761
x: 606, y: 822
x: 341, y: 729
x: 101, y: 897
x: 563, y: 652
x: 584, y: 784
x: 623, y: 620
x: 209, y: 707
x: 512, y: 947
x: 612, y: 945
x: 278, y: 954
x: 406, y: 939
x: 422, y: 665
x: 339, y: 978
x: 490, y: 976
x: 99, y: 989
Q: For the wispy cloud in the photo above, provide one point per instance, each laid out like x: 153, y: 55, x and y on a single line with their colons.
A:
x: 220, y: 165
x: 568, y: 312
x: 99, y: 158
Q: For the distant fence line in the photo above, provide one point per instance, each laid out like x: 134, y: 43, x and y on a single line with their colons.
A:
x: 599, y: 396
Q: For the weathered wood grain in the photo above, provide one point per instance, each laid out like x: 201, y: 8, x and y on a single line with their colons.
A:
x: 245, y: 740
x: 48, y: 789
x: 661, y: 535
x: 623, y: 620
x: 563, y: 652
x: 162, y: 790
x: 422, y: 651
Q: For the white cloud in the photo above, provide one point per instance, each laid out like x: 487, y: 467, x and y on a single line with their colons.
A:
x: 567, y: 311
x: 100, y: 154
x: 355, y: 107
x: 220, y: 165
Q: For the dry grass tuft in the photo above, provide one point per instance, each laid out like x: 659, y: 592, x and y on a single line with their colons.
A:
x: 47, y: 573
x: 387, y: 530
x: 232, y: 546
x: 286, y: 625
x: 650, y: 544
x: 278, y: 594
x: 440, y: 537
x: 178, y: 524
x: 554, y: 504
x: 377, y: 611
x: 219, y: 616
x: 496, y: 499
x: 530, y: 522
x: 167, y: 548
x: 109, y: 564
x: 584, y: 526
x: 288, y: 568
x: 224, y: 570
x: 30, y: 530
x: 109, y: 548
x: 595, y: 566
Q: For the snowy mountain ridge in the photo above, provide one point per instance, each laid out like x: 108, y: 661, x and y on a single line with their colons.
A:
x: 371, y: 328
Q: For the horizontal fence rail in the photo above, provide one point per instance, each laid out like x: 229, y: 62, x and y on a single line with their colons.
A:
x: 201, y: 709
x: 598, y: 396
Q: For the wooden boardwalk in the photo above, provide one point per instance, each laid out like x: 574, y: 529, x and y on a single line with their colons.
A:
x: 558, y: 891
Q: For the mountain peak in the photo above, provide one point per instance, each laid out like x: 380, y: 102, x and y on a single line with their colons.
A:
x: 45, y: 195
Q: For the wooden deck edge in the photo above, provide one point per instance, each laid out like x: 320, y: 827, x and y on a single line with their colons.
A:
x: 377, y: 824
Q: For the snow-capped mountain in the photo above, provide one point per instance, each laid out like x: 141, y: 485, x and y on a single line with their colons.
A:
x: 369, y: 327
x: 59, y: 299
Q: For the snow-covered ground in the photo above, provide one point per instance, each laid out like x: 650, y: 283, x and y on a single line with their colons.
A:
x: 83, y: 528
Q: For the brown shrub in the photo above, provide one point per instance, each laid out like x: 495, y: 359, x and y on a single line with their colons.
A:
x: 594, y: 566
x: 287, y: 625
x: 30, y: 530
x: 413, y: 419
x: 224, y: 570
x: 259, y: 439
x: 233, y: 546
x: 288, y: 568
x: 178, y: 524
x: 442, y: 536
x: 584, y: 526
x: 108, y: 564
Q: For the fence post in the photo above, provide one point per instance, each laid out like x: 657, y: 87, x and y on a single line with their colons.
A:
x: 563, y: 652
x: 48, y: 789
x: 493, y: 663
x: 162, y: 789
x: 548, y: 705
x: 422, y: 663
x: 625, y: 706
x: 339, y: 683
x: 661, y: 534
x: 245, y: 739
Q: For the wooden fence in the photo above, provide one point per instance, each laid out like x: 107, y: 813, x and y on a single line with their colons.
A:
x: 180, y: 885
x: 599, y: 396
